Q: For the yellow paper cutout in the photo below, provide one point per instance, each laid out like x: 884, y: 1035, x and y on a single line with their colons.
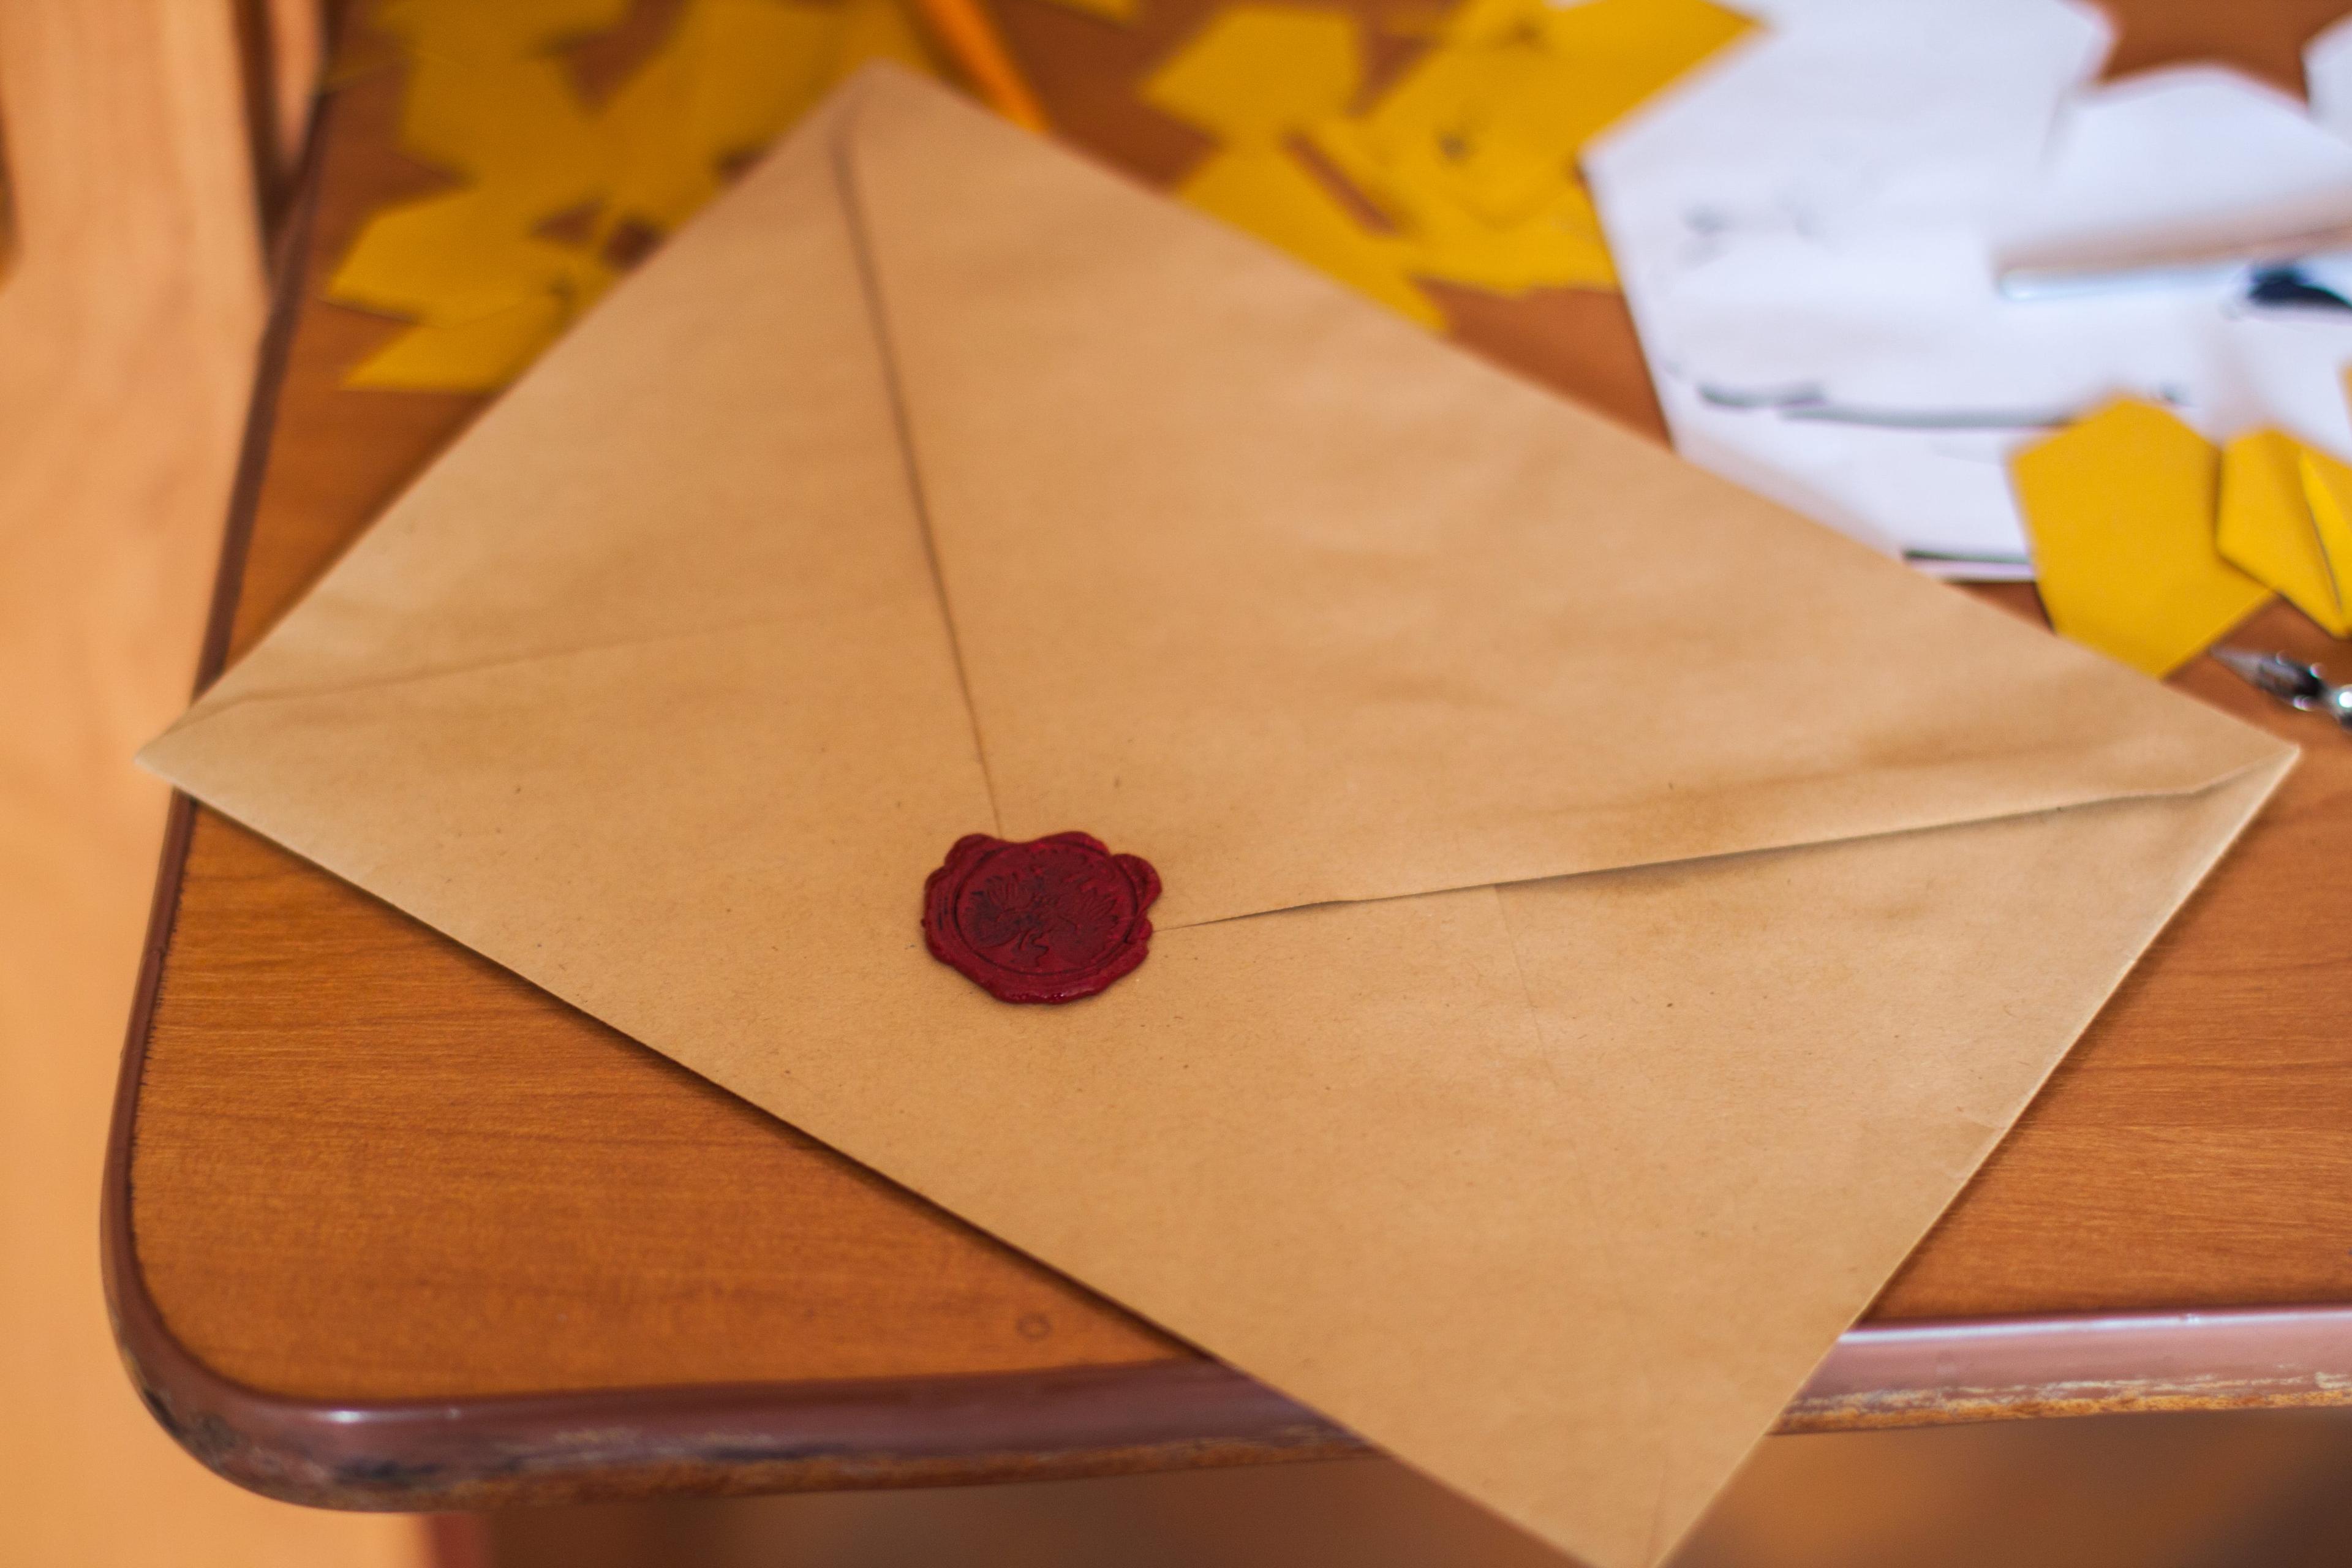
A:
x: 465, y: 30
x: 1257, y: 73
x: 667, y: 125
x: 475, y: 268
x: 868, y: 31
x: 1554, y: 243
x: 1108, y: 10
x: 488, y: 351
x: 1256, y: 77
x: 1269, y: 193
x: 450, y: 259
x: 1417, y: 21
x: 2121, y: 509
x: 2327, y: 486
x: 2284, y: 523
x: 1470, y: 158
x: 1491, y: 121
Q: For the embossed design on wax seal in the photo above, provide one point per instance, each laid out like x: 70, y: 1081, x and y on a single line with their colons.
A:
x: 1050, y: 921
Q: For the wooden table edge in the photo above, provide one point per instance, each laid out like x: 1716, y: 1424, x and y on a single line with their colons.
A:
x: 475, y: 1452
x: 440, y: 1455
x: 425, y: 1455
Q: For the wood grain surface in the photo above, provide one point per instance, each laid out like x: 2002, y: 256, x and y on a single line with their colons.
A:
x: 367, y: 1165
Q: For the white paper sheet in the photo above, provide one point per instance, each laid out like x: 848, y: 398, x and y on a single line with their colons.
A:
x: 1810, y: 236
x: 2327, y: 77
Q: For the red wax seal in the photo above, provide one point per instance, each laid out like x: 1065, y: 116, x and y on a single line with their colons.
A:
x: 1049, y: 920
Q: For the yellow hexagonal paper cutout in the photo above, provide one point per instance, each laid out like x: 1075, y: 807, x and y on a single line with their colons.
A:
x: 2284, y: 521
x: 2121, y: 509
x: 1256, y: 73
x: 2327, y: 487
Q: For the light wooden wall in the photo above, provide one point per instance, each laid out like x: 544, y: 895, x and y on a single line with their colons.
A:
x: 127, y: 331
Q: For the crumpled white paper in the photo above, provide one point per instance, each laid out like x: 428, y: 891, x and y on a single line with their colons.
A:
x: 1811, y: 232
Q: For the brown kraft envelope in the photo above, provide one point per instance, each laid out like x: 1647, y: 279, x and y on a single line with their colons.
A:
x: 1607, y: 917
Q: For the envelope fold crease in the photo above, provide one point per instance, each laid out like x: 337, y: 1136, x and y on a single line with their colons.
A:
x: 1308, y: 607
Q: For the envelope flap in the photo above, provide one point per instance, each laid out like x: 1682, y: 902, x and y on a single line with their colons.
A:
x: 717, y: 452
x: 669, y: 597
x: 1262, y: 583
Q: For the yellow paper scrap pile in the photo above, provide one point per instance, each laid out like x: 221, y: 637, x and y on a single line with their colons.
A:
x: 555, y: 189
x: 1256, y: 77
x: 2121, y: 509
x: 1469, y: 160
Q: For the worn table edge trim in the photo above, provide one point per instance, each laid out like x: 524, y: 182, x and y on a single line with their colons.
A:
x: 1921, y: 1373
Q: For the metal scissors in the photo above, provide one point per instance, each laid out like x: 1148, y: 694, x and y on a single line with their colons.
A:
x: 2293, y: 683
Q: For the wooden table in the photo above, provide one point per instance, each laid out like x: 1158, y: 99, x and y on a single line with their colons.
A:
x: 387, y: 1227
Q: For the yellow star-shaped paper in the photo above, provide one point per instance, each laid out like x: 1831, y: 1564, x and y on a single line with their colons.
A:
x: 1470, y: 158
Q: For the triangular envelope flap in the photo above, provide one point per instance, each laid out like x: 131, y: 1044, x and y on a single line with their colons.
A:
x: 1848, y: 1031
x: 660, y: 625
x: 716, y: 450
x: 1253, y: 578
